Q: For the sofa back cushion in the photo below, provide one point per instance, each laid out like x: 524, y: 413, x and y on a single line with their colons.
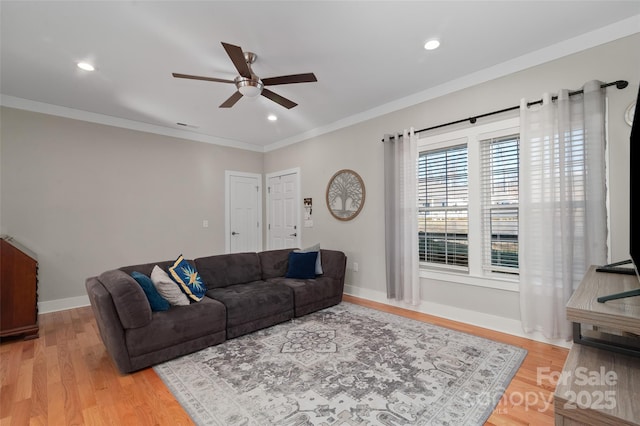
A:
x: 228, y: 269
x: 128, y: 297
x: 146, y: 268
x: 274, y: 263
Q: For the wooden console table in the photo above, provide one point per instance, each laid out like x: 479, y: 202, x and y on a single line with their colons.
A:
x: 600, y: 386
x: 18, y: 290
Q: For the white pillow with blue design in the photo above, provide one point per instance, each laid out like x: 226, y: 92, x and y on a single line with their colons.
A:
x: 186, y: 276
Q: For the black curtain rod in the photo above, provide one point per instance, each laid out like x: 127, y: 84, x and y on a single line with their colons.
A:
x: 620, y: 84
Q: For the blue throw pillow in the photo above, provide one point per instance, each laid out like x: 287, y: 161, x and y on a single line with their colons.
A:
x: 157, y: 302
x: 302, y: 265
x: 183, y: 273
x: 318, y: 260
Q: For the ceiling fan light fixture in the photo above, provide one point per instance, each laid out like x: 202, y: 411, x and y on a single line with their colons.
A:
x: 248, y: 87
x: 248, y: 84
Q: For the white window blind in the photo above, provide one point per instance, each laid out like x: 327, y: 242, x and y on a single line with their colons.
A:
x: 443, y: 195
x: 500, y: 179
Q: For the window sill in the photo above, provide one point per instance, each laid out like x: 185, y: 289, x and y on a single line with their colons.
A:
x: 498, y: 283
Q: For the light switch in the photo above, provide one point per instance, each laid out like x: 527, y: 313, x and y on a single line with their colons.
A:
x: 205, y: 223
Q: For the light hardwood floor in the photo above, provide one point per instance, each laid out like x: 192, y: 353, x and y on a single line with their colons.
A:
x: 65, y: 377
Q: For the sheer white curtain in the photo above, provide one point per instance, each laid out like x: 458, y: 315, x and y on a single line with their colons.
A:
x: 401, y: 216
x: 563, y: 226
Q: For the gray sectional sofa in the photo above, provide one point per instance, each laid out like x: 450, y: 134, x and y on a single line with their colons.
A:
x: 245, y: 292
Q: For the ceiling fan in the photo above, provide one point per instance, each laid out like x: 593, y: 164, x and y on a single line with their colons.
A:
x: 249, y: 84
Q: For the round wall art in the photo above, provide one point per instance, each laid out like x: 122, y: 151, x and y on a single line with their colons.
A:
x: 345, y: 194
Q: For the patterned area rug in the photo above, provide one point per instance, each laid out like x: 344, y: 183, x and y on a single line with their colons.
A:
x: 345, y: 365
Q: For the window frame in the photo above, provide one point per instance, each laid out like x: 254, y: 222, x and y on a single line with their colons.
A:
x: 475, y: 274
x: 454, y: 145
x: 487, y: 208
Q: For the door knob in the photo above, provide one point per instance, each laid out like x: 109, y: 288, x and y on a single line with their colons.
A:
x: 293, y: 235
x: 235, y: 233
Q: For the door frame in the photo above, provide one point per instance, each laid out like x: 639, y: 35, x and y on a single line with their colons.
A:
x: 227, y: 198
x: 268, y: 176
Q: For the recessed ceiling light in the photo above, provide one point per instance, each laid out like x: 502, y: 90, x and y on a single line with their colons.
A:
x: 86, y: 66
x: 432, y: 44
x: 272, y: 117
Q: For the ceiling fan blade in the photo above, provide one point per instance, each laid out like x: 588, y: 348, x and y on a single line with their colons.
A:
x: 231, y: 101
x: 289, y: 79
x: 237, y: 57
x: 197, y: 77
x: 278, y: 99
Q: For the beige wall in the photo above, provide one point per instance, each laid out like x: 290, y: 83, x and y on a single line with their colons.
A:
x: 87, y: 197
x: 359, y: 148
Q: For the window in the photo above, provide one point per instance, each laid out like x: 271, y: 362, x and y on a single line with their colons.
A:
x: 500, y: 174
x: 468, y: 204
x: 443, y: 196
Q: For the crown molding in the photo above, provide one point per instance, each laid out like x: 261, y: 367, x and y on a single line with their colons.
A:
x: 609, y: 33
x: 92, y: 117
x: 576, y: 44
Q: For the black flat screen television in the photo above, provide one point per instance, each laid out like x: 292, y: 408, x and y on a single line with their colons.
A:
x: 634, y: 213
x: 634, y: 190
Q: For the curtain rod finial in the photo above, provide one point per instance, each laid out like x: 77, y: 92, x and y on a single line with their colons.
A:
x: 621, y: 84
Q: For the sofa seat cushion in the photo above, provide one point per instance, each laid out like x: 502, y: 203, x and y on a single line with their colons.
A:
x: 177, y: 325
x: 228, y: 269
x: 252, y: 301
x: 311, y: 290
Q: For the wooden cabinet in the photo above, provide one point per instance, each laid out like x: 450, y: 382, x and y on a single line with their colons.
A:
x: 600, y: 385
x: 18, y: 290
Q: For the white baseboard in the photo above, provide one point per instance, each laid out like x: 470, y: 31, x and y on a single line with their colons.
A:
x: 479, y: 319
x: 62, y: 304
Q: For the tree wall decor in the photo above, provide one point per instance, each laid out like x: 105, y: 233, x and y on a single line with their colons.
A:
x: 345, y: 194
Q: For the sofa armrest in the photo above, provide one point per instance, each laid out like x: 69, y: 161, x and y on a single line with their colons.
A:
x: 128, y: 297
x: 108, y: 322
x: 334, y: 264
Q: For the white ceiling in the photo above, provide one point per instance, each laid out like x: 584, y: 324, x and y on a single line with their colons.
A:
x: 367, y: 56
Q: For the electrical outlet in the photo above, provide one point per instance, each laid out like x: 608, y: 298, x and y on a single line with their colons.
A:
x: 205, y: 223
x: 355, y: 266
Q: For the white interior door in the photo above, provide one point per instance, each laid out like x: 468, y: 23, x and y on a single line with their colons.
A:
x: 283, y: 219
x: 243, y: 212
